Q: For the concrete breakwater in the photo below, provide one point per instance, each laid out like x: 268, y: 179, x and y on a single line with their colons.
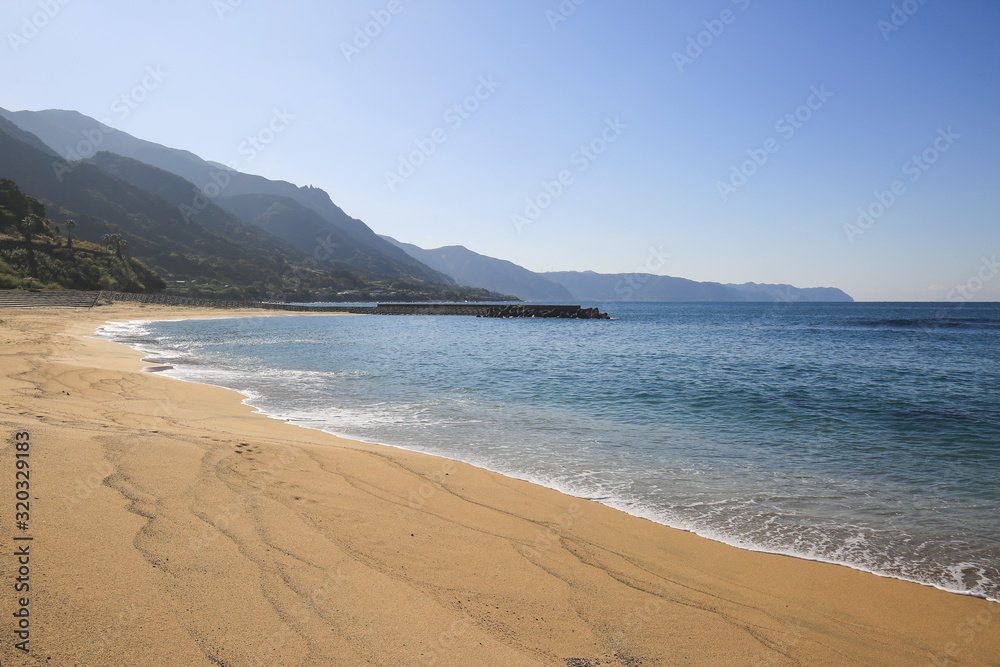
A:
x: 468, y: 309
x: 492, y: 310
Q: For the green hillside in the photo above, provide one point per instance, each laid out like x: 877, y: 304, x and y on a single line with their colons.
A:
x: 35, y: 254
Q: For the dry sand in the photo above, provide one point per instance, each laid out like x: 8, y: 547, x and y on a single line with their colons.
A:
x: 173, y: 526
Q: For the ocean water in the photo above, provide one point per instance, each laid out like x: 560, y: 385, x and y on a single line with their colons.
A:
x: 860, y: 434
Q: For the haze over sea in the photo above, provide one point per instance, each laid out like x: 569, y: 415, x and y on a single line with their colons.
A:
x: 861, y: 434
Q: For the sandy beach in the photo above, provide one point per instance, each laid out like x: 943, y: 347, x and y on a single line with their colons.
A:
x: 171, y: 525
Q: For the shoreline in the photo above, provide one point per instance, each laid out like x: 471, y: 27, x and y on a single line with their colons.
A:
x: 647, y: 516
x: 371, y: 554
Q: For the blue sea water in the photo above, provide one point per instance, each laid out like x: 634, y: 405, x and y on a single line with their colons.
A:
x: 861, y: 434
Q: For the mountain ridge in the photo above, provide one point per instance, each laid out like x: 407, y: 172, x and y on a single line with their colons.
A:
x: 303, y: 224
x: 226, y: 259
x: 471, y: 268
x: 76, y: 136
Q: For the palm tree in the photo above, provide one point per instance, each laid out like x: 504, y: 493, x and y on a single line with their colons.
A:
x: 30, y: 225
x: 117, y: 243
x: 70, y: 226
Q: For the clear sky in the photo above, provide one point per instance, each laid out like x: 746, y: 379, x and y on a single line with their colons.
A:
x: 721, y: 140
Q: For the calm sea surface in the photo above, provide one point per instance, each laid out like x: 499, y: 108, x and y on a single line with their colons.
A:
x: 862, y: 434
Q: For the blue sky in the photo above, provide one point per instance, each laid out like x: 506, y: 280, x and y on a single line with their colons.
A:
x: 723, y: 140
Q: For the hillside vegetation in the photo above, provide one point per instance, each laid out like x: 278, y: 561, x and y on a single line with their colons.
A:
x: 34, y: 254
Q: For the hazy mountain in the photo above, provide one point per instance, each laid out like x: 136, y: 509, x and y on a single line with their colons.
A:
x: 177, y: 191
x: 6, y: 125
x: 470, y: 268
x: 259, y: 219
x: 590, y: 286
x: 76, y: 136
x: 244, y: 217
x: 289, y: 220
x: 211, y: 254
x: 304, y: 228
x: 757, y: 292
x: 156, y: 231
